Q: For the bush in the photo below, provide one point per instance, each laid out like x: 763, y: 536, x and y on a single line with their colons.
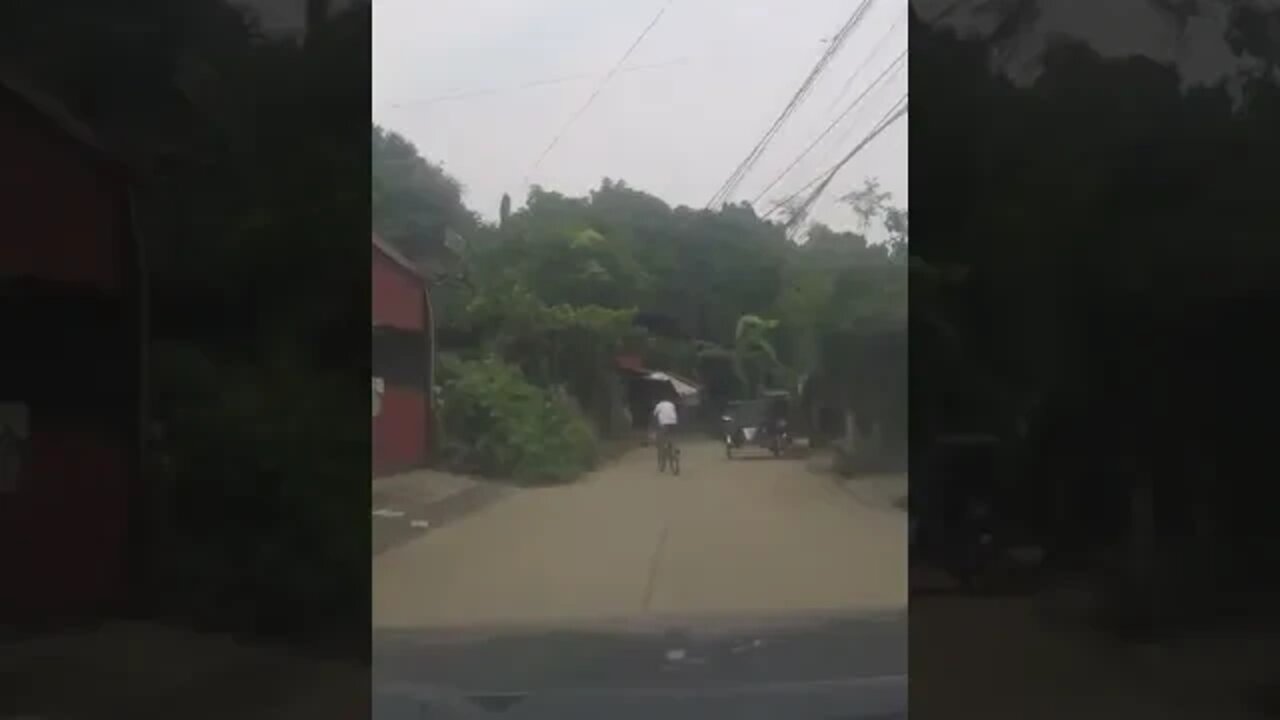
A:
x: 497, y: 424
x: 239, y: 451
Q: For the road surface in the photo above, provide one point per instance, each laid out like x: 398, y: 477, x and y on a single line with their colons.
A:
x: 741, y: 537
x: 753, y: 573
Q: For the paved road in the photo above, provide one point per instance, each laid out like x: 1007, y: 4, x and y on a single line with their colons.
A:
x: 740, y: 537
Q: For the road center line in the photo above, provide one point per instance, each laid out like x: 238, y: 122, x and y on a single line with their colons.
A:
x: 654, y: 563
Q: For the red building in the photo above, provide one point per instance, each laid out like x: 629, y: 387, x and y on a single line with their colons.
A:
x: 71, y: 405
x: 402, y: 354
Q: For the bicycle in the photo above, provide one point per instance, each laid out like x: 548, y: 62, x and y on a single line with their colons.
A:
x: 668, y: 455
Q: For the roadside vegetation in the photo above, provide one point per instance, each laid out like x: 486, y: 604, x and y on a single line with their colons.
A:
x: 252, y: 212
x: 540, y: 302
x: 497, y: 423
x: 1095, y: 345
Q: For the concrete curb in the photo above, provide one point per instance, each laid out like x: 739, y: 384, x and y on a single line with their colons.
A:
x: 419, y: 487
x: 406, y: 507
x: 876, y: 491
x: 871, y: 490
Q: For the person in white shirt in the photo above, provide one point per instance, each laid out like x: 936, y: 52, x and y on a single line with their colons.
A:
x: 664, y: 420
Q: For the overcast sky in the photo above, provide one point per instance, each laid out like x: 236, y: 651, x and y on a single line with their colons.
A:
x: 713, y: 75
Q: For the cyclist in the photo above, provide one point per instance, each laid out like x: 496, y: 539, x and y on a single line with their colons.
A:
x: 664, y: 419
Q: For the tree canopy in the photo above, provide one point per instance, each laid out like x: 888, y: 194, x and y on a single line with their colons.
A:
x: 1093, y: 260
x: 720, y: 294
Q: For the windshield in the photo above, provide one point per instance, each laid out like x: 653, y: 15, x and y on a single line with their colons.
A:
x: 581, y: 210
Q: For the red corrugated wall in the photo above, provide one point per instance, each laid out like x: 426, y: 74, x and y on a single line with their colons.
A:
x: 401, y: 428
x: 399, y: 437
x: 63, y: 543
x: 51, y: 193
x: 397, y: 295
x: 62, y: 538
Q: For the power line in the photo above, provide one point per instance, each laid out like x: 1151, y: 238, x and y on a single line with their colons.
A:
x: 735, y: 178
x: 779, y: 204
x: 555, y: 140
x: 898, y: 110
x: 871, y: 55
x: 832, y: 125
x: 469, y: 94
x: 849, y: 130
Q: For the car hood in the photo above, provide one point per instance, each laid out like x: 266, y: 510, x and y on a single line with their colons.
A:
x: 820, y: 667
x: 869, y: 698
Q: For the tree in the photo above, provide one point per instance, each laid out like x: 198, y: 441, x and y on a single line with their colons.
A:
x: 1087, y: 333
x: 317, y: 12
x: 250, y: 365
x: 413, y: 201
x: 868, y: 202
x: 704, y: 282
x: 754, y: 358
x: 895, y: 222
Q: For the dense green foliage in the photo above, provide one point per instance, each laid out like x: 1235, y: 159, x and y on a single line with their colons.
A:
x: 1038, y: 313
x: 1100, y: 242
x: 412, y: 202
x: 561, y: 285
x: 248, y: 168
x: 496, y: 423
x: 259, y: 515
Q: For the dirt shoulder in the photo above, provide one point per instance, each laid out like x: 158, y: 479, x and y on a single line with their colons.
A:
x: 409, y: 505
x: 420, y: 487
x: 878, y: 490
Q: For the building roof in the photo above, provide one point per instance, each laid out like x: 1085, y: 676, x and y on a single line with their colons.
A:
x: 48, y: 112
x: 635, y: 365
x: 394, y: 255
x: 632, y: 363
x: 683, y: 386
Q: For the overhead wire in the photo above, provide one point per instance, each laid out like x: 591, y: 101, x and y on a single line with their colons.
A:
x: 555, y: 140
x: 848, y: 132
x: 547, y: 82
x: 896, y: 64
x: 836, y: 43
x: 895, y: 113
x: 875, y: 130
x: 848, y: 83
x: 735, y: 178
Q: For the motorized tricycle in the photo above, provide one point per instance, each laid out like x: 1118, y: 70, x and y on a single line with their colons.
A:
x: 761, y: 423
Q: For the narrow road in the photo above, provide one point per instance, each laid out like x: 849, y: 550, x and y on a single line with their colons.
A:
x: 749, y: 536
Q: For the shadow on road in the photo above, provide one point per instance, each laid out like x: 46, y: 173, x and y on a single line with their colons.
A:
x: 691, y: 654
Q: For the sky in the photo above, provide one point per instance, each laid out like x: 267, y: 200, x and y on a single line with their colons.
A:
x: 708, y: 81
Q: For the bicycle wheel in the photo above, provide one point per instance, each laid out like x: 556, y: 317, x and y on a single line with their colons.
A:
x: 675, y: 461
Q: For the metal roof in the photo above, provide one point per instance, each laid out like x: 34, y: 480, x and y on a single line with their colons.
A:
x: 395, y: 255
x: 57, y: 118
